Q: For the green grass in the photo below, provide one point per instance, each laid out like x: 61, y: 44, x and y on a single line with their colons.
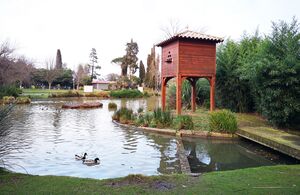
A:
x: 262, y: 180
x: 41, y: 93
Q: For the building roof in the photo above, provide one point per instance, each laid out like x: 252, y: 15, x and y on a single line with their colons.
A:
x: 191, y: 35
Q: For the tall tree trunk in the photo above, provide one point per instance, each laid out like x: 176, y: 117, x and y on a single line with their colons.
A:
x: 50, y: 85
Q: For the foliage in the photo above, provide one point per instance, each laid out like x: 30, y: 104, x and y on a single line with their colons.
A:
x: 93, y: 65
x: 140, y: 110
x: 152, y: 73
x: 142, y: 72
x: 8, y: 99
x: 183, y: 122
x: 102, y: 94
x: 124, y: 116
x: 222, y: 121
x: 130, y: 58
x: 161, y: 118
x: 232, y: 91
x: 202, y: 93
x: 69, y: 93
x: 23, y: 100
x: 65, y: 79
x: 112, y: 77
x: 126, y: 93
x: 9, y: 90
x: 58, y: 64
x: 112, y: 105
x: 13, y: 69
x: 278, y: 78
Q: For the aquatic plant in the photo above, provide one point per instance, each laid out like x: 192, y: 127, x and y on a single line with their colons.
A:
x: 183, y: 122
x: 112, y: 106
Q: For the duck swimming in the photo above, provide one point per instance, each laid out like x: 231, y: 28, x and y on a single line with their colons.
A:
x: 77, y: 157
x: 91, y: 162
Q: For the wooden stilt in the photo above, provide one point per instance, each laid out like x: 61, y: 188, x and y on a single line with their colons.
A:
x: 163, y: 93
x: 178, y: 94
x: 212, y: 93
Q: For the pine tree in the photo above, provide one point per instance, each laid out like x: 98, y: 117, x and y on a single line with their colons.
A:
x: 93, y: 65
x: 58, y: 64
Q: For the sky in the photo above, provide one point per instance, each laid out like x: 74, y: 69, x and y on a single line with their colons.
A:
x: 37, y: 28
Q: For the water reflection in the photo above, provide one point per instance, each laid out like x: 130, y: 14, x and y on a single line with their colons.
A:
x: 213, y: 155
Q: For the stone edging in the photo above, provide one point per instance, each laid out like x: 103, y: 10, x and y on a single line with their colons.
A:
x: 181, y: 133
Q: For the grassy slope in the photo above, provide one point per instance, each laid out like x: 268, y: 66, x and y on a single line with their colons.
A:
x: 261, y: 180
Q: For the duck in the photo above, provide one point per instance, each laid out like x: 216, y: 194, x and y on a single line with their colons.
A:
x: 78, y: 157
x: 91, y: 162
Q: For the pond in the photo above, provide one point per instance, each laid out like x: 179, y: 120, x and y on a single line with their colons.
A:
x: 42, y: 139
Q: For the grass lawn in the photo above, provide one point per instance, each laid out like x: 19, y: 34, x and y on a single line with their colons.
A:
x: 42, y: 93
x: 284, y: 179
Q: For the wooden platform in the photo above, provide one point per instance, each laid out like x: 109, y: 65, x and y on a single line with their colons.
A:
x: 276, y: 139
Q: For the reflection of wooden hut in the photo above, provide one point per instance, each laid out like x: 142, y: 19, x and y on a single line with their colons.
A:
x: 189, y: 55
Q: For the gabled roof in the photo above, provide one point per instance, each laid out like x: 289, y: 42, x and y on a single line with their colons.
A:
x: 191, y: 35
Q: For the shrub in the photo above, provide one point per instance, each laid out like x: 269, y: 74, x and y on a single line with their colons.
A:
x: 126, y: 93
x: 222, y: 121
x: 183, y: 122
x: 112, y: 105
x: 140, y: 110
x: 23, y: 100
x: 9, y: 90
x: 8, y: 99
x: 104, y: 94
x: 162, y: 118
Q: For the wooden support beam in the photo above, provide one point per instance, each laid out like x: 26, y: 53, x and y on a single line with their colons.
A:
x: 163, y: 93
x: 212, y: 81
x: 178, y: 94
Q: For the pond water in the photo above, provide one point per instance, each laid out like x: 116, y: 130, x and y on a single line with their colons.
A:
x: 42, y: 139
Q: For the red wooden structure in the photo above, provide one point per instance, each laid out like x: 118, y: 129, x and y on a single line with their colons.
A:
x: 188, y: 55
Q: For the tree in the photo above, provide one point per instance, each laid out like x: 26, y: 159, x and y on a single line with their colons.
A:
x: 93, y: 64
x: 142, y: 73
x: 278, y: 76
x: 50, y: 72
x: 130, y: 58
x: 120, y: 61
x: 152, y: 74
x: 112, y: 77
x: 59, y: 63
x: 81, y: 75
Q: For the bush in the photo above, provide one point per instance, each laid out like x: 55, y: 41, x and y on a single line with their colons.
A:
x: 69, y: 93
x: 23, y: 100
x: 183, y: 122
x: 104, y: 94
x: 9, y: 90
x: 8, y: 99
x: 222, y: 121
x: 112, y: 105
x: 140, y: 110
x: 124, y: 115
x: 126, y: 93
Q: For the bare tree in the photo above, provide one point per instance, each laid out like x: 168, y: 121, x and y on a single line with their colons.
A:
x: 174, y: 27
x: 112, y: 77
x: 81, y: 74
x: 51, y: 73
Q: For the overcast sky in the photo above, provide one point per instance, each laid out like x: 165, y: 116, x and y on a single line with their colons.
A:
x: 37, y: 28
